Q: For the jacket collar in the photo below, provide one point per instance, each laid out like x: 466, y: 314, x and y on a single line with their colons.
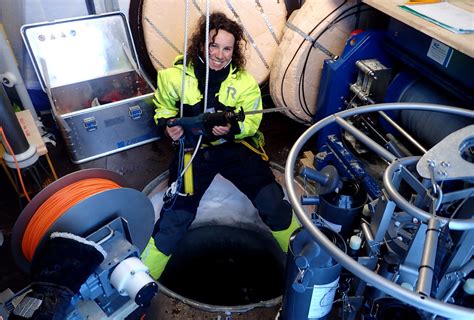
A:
x: 178, y: 63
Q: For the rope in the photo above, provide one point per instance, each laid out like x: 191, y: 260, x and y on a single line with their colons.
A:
x: 173, y: 190
x: 260, y: 152
x: 55, y: 206
x: 185, y: 57
x: 206, y: 84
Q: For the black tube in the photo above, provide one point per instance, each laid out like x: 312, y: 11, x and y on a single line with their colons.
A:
x: 90, y: 7
x: 292, y: 5
x: 10, y: 125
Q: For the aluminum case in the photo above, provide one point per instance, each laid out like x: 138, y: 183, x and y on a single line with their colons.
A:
x: 101, y: 100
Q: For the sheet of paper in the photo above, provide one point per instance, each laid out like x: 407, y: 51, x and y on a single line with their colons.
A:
x: 445, y: 15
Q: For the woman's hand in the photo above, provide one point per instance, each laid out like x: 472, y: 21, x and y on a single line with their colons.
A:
x: 221, y: 130
x: 175, y: 132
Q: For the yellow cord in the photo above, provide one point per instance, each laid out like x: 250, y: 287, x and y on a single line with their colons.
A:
x: 261, y: 153
x: 51, y: 167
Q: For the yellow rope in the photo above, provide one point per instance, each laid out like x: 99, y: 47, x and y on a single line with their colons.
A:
x: 261, y: 153
x: 51, y: 167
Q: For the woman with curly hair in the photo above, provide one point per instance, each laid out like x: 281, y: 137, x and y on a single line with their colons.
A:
x: 230, y: 87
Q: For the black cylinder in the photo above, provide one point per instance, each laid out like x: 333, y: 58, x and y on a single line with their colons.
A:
x: 10, y: 125
x: 341, y: 208
x: 427, y: 126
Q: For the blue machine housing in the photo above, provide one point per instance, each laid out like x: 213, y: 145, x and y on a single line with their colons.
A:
x: 338, y: 75
x: 448, y: 68
x: 422, y: 70
x: 413, y: 56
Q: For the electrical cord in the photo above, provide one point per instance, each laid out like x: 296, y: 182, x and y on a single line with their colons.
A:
x: 301, y: 95
x: 338, y: 18
x: 172, y: 193
x: 55, y: 206
x: 301, y: 91
x: 294, y: 57
x: 10, y: 150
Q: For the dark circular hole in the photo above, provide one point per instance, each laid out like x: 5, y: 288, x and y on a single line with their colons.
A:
x: 395, y: 310
x: 467, y: 150
x: 226, y: 266
x: 349, y: 188
x: 350, y: 196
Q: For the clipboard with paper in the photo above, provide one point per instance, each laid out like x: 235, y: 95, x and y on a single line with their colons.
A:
x: 443, y: 14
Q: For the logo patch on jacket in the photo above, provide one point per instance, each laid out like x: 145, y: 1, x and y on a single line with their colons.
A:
x: 231, y: 91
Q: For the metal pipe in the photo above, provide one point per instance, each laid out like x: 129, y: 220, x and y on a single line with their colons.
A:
x: 427, y: 264
x: 371, y: 144
x: 10, y: 125
x: 426, y: 303
x: 402, y: 131
x: 367, y: 233
x: 373, y: 247
x: 11, y: 76
x: 402, y: 203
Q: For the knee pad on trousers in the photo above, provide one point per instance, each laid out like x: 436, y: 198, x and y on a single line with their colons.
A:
x: 154, y: 259
x: 273, y: 209
x: 283, y: 236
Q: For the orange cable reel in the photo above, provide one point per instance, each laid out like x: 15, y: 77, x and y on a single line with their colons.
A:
x: 55, y: 206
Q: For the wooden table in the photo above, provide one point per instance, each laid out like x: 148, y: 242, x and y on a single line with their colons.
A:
x: 461, y: 42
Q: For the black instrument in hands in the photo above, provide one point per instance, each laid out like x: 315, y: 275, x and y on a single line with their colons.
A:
x: 202, y: 124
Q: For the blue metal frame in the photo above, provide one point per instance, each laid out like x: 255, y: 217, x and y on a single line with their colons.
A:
x: 348, y: 166
x: 338, y: 75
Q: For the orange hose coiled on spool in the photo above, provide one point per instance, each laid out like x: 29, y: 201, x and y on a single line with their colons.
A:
x: 55, y: 206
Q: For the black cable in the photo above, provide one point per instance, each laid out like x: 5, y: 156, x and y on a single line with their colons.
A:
x: 303, y: 103
x: 90, y: 7
x: 18, y: 188
x: 356, y: 26
x: 301, y: 85
x: 35, y: 176
x: 304, y: 106
x: 337, y: 19
x: 293, y: 58
x: 301, y: 95
x: 46, y: 171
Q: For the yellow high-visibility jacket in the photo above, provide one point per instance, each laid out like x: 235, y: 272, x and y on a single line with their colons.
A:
x: 239, y: 90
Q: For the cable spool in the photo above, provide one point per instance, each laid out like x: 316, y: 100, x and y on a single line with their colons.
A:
x: 55, y: 206
x: 81, y: 203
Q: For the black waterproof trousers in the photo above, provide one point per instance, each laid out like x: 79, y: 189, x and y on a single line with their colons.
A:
x: 245, y: 169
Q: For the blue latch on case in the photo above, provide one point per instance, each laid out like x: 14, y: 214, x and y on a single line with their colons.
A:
x: 135, y: 112
x: 90, y: 124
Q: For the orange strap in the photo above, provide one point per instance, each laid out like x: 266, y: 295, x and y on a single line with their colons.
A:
x: 55, y: 206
